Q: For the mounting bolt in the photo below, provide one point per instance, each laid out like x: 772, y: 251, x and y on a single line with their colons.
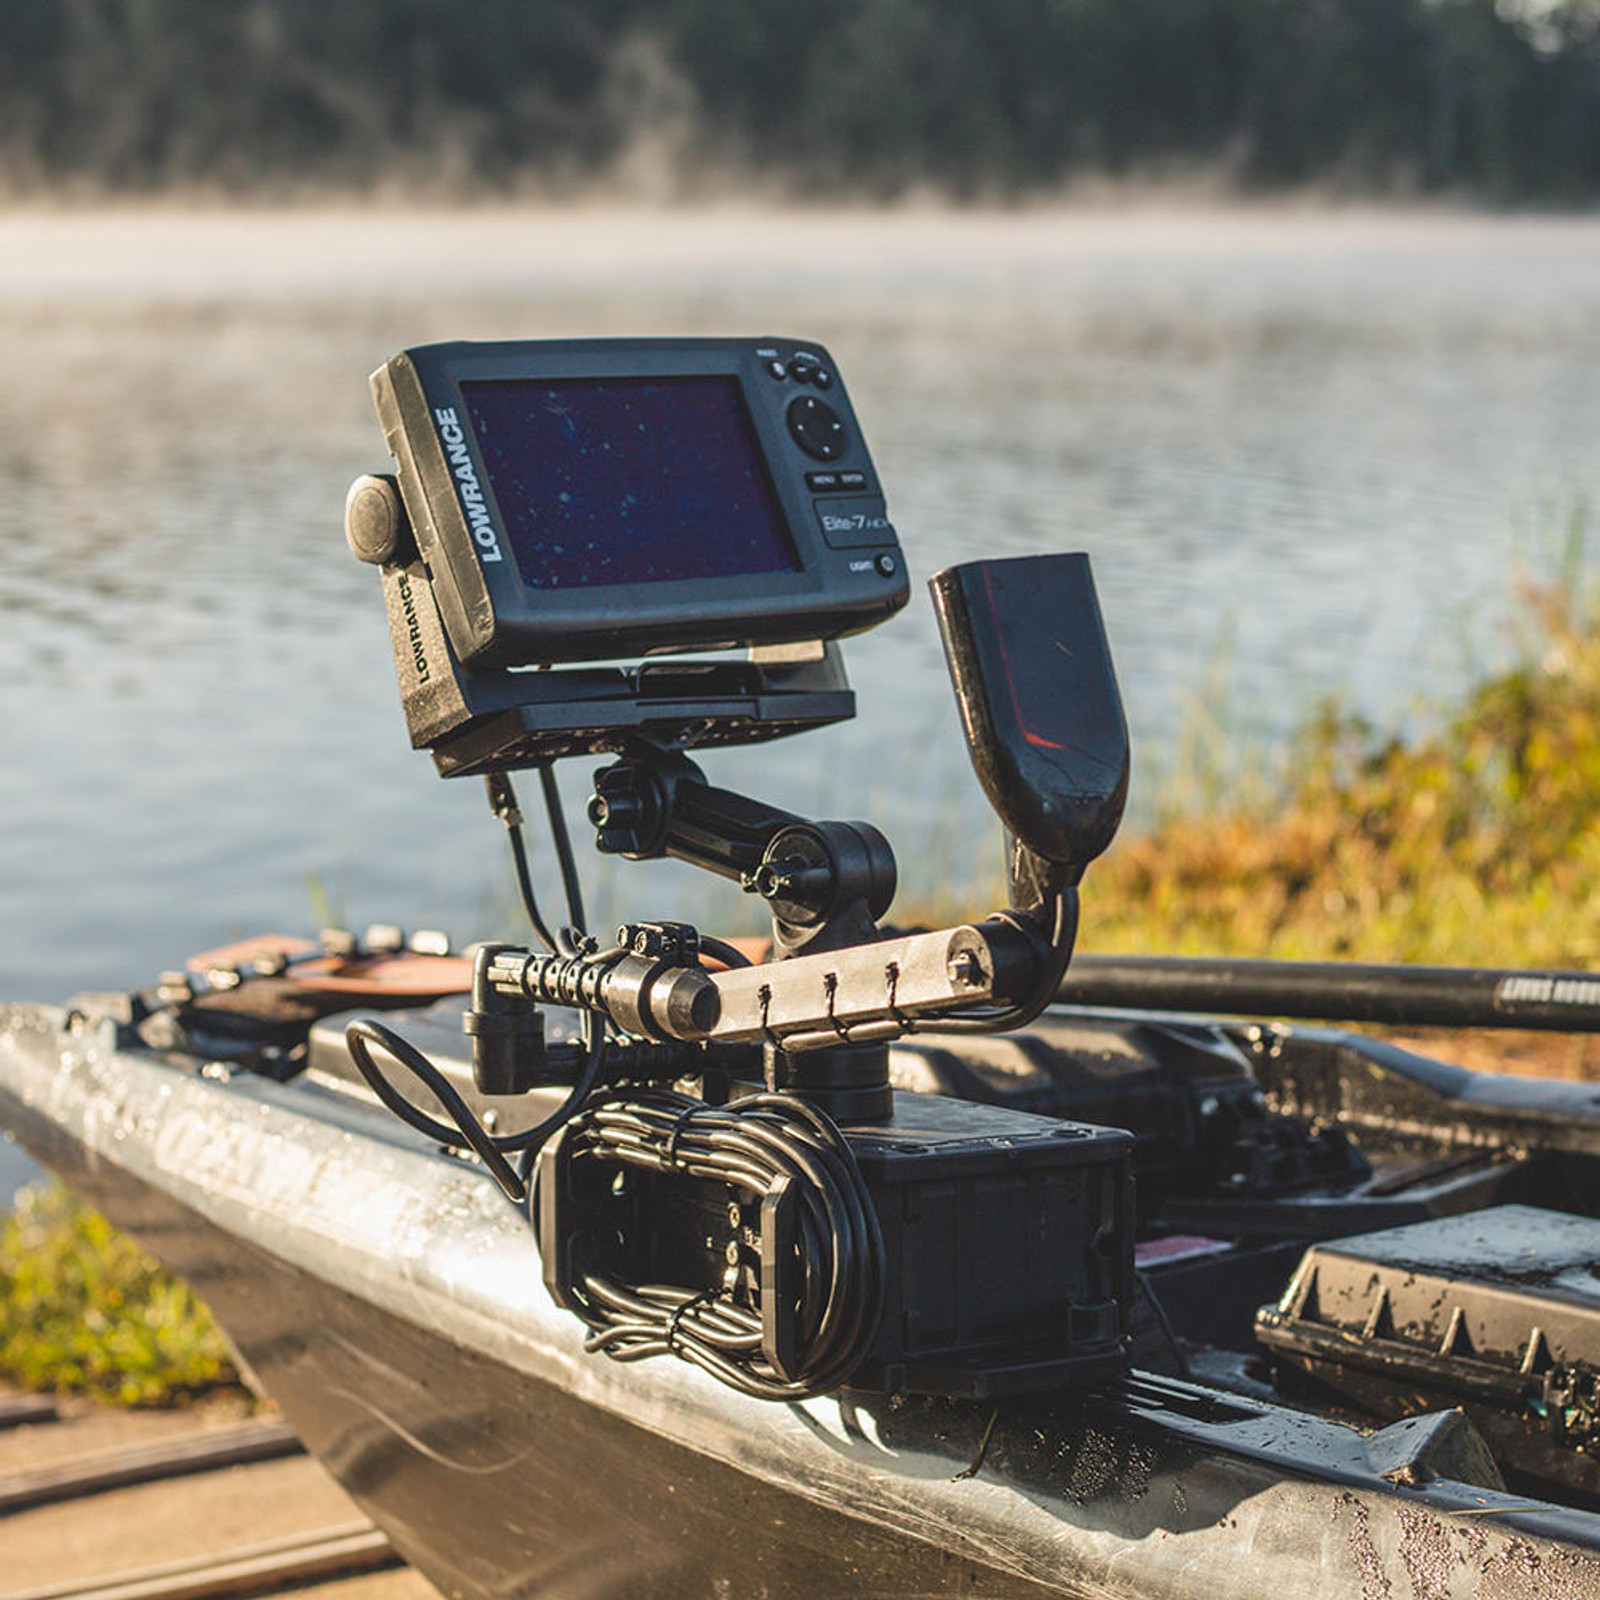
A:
x: 964, y: 968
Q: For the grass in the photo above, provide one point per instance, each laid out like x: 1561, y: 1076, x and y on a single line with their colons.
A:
x: 83, y: 1310
x: 1475, y: 842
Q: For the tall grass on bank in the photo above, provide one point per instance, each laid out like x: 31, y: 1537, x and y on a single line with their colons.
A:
x: 84, y: 1310
x: 1478, y: 842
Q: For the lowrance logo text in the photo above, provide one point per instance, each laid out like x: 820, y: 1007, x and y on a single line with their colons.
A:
x: 455, y: 449
x: 419, y: 656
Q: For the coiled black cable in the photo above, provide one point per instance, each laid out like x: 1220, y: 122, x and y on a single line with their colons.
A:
x: 755, y: 1144
x: 720, y: 950
x: 571, y: 886
x: 503, y: 802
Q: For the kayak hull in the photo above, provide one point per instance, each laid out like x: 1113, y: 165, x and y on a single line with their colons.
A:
x: 390, y: 1301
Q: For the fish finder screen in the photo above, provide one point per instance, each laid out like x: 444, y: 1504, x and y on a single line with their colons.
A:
x: 636, y: 480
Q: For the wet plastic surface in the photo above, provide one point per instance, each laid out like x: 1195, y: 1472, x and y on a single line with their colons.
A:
x: 1498, y: 1309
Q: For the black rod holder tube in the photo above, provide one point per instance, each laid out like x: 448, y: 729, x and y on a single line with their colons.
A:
x: 1340, y: 991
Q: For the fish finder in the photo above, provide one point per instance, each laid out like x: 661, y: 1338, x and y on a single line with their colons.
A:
x: 573, y: 501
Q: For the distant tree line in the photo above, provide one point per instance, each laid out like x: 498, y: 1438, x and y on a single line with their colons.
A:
x: 1497, y: 98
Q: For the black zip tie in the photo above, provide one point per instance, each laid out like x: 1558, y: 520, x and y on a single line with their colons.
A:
x: 705, y: 1297
x: 830, y: 985
x: 678, y: 1126
x: 891, y: 974
x: 764, y: 994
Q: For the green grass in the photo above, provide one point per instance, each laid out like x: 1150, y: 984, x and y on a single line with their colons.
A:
x: 84, y: 1310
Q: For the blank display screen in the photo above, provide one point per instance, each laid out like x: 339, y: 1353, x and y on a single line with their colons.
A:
x: 627, y: 480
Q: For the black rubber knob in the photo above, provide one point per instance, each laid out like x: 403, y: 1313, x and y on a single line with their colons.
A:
x: 816, y: 428
x: 375, y: 524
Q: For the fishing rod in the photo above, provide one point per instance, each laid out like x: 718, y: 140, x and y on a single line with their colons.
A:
x: 1340, y: 991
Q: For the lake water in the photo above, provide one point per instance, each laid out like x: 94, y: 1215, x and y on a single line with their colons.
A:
x: 1316, y: 445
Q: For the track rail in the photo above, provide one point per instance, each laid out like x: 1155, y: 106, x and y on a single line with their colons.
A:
x: 313, y: 1557
x: 120, y: 1469
x: 17, y: 1411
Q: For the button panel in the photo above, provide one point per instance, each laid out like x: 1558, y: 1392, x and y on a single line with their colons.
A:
x: 804, y: 366
x: 838, y: 483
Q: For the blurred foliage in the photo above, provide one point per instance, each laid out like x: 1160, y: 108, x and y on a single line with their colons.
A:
x: 84, y: 1309
x: 1478, y: 842
x: 1499, y: 98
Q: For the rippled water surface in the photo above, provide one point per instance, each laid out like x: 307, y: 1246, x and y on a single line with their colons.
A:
x: 1308, y: 443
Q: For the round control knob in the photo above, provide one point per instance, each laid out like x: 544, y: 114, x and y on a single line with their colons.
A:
x: 815, y: 427
x: 375, y: 525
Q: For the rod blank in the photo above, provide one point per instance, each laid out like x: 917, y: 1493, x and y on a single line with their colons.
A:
x: 1340, y: 991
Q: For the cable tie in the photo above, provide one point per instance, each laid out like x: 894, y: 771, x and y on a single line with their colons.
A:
x: 764, y: 994
x: 891, y: 977
x: 830, y: 987
x: 679, y: 1123
x: 705, y: 1297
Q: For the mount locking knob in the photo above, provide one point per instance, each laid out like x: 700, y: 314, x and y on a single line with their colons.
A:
x: 375, y: 523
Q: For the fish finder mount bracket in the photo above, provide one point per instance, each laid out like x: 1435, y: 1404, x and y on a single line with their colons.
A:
x: 480, y: 720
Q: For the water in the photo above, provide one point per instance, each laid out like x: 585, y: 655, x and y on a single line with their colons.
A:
x: 1308, y: 439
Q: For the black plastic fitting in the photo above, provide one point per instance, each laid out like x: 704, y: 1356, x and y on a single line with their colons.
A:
x: 507, y: 1033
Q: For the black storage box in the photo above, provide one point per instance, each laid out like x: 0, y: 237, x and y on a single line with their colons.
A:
x: 1009, y: 1239
x: 1497, y: 1311
x: 1008, y: 1243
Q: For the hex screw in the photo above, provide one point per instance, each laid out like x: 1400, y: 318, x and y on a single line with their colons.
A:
x: 964, y: 968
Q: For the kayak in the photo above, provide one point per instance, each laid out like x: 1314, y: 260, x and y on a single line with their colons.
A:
x: 384, y: 1293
